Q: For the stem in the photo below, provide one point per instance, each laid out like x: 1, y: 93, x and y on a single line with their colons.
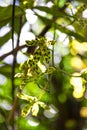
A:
x: 13, y: 16
x: 11, y: 52
x: 71, y: 75
x: 14, y: 55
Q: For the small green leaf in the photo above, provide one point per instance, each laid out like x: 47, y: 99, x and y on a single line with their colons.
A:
x: 6, y: 14
x: 61, y: 3
x: 54, y: 10
x: 71, y: 33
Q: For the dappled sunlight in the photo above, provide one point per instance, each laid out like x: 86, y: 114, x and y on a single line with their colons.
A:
x: 3, y: 79
x: 77, y: 63
x: 51, y: 112
x: 31, y: 18
x: 5, y: 105
x: 84, y: 14
x: 33, y: 121
x: 77, y: 47
x: 83, y: 112
x: 78, y: 94
x: 78, y: 88
x: 26, y: 36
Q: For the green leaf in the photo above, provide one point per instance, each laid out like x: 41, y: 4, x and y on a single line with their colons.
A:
x: 5, y: 69
x: 54, y: 11
x: 84, y: 1
x: 61, y: 3
x: 5, y: 38
x: 45, y: 20
x: 63, y: 29
x: 70, y: 33
x: 6, y: 14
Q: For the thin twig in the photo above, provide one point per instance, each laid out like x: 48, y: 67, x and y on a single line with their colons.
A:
x: 13, y: 16
x: 11, y: 115
x: 13, y: 110
x: 14, y: 54
x: 11, y: 52
x: 5, y: 123
x: 64, y: 72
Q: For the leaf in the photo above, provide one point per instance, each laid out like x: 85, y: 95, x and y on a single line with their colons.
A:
x: 70, y: 33
x: 84, y: 1
x: 5, y: 69
x: 6, y: 14
x: 54, y: 11
x: 45, y: 20
x: 5, y: 38
x: 26, y: 110
x: 63, y: 29
x: 61, y: 3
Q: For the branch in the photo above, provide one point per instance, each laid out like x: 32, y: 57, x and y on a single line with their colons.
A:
x: 11, y: 52
x: 13, y: 16
x: 13, y: 110
x: 11, y: 115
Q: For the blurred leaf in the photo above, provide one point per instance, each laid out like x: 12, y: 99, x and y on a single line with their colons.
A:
x: 52, y: 10
x: 6, y: 70
x: 45, y: 20
x: 71, y: 33
x: 6, y: 14
x: 63, y: 29
x: 5, y: 90
x: 82, y: 1
x: 1, y: 119
x: 5, y: 38
x: 61, y: 3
